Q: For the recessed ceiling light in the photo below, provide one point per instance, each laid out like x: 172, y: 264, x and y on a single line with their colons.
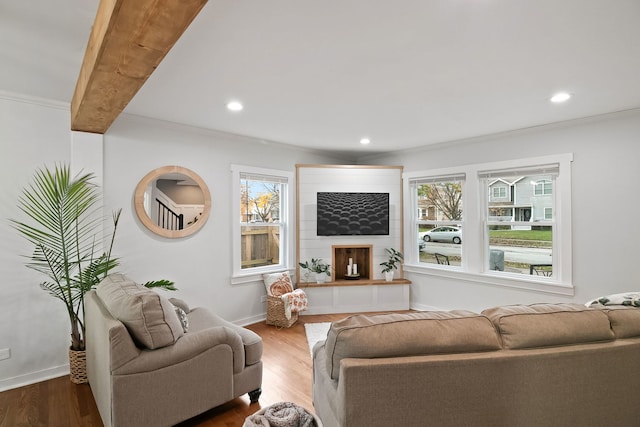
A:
x: 365, y: 141
x: 560, y: 97
x: 234, y: 106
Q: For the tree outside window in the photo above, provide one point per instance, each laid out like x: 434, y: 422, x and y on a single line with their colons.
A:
x: 261, y: 224
x: 438, y: 229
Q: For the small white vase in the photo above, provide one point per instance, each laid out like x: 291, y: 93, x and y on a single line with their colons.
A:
x: 320, y: 277
x: 388, y: 276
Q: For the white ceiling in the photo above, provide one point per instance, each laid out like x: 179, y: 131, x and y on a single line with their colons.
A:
x: 324, y: 74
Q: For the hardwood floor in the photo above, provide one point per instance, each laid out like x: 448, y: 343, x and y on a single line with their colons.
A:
x: 286, y: 377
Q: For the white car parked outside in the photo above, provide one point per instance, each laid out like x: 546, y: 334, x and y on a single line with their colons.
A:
x: 443, y: 234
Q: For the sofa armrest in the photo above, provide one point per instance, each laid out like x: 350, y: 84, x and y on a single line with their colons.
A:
x: 201, y: 318
x: 188, y: 346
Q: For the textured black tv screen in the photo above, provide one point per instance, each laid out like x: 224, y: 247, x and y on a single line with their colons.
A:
x: 347, y: 214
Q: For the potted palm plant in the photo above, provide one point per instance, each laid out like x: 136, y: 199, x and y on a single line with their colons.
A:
x: 391, y: 264
x: 65, y: 224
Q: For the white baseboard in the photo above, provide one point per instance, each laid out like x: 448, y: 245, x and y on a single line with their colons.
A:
x: 251, y: 320
x: 33, y: 377
x: 423, y: 307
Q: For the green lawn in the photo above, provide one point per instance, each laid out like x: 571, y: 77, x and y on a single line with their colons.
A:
x: 541, y: 235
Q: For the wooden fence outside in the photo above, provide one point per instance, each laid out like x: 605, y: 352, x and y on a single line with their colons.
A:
x: 260, y: 246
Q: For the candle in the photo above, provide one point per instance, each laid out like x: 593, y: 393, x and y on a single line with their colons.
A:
x: 355, y: 268
x: 350, y: 261
x: 349, y: 270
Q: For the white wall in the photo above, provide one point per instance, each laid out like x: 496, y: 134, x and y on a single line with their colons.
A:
x: 34, y: 325
x: 605, y: 177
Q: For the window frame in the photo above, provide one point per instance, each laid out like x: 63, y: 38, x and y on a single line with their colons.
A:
x: 475, y: 244
x: 417, y: 222
x: 286, y: 224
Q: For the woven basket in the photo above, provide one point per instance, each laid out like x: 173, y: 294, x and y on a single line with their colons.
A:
x: 78, y: 366
x: 275, y: 313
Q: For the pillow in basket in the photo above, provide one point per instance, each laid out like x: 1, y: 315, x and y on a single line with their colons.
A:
x: 277, y: 284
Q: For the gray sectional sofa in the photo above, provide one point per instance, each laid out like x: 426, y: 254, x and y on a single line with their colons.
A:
x: 538, y: 365
x: 153, y: 361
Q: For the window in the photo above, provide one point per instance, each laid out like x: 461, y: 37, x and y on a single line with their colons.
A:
x: 261, y: 207
x: 438, y: 227
x: 515, y: 230
x: 542, y: 187
x: 523, y: 244
x: 499, y: 192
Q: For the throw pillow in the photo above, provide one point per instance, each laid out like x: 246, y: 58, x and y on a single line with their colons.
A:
x: 182, y: 316
x: 148, y: 316
x: 277, y: 284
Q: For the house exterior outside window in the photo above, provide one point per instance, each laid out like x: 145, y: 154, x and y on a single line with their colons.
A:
x: 524, y: 234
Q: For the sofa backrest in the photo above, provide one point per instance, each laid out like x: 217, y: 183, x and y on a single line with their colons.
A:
x: 625, y: 321
x: 546, y: 325
x: 408, y: 334
x: 149, y: 317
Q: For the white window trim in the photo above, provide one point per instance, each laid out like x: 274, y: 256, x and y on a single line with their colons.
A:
x: 474, y: 244
x: 287, y: 220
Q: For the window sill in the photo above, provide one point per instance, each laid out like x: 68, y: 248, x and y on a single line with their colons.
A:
x: 257, y: 276
x: 546, y: 285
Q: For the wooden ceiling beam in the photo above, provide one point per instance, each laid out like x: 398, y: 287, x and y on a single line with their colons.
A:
x: 128, y: 40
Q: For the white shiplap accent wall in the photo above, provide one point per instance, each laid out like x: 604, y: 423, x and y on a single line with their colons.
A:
x: 318, y: 178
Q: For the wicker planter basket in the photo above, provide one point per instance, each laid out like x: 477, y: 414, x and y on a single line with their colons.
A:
x: 275, y: 313
x: 78, y: 366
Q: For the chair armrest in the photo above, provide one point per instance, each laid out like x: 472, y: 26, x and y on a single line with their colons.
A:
x: 201, y: 318
x: 188, y: 346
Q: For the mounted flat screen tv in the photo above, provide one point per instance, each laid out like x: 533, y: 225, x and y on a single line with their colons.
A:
x: 348, y: 214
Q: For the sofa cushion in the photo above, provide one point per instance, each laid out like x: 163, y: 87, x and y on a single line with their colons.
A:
x: 625, y: 321
x: 408, y: 334
x: 546, y: 325
x: 149, y: 317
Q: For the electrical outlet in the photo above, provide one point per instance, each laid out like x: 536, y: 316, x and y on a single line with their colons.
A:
x: 5, y: 353
x: 263, y: 298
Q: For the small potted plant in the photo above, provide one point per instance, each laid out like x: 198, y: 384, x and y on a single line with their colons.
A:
x: 391, y: 264
x: 318, y: 267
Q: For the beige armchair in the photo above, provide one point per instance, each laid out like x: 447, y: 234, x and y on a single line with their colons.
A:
x: 145, y: 370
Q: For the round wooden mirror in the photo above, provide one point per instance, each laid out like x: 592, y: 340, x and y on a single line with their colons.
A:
x: 172, y: 201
